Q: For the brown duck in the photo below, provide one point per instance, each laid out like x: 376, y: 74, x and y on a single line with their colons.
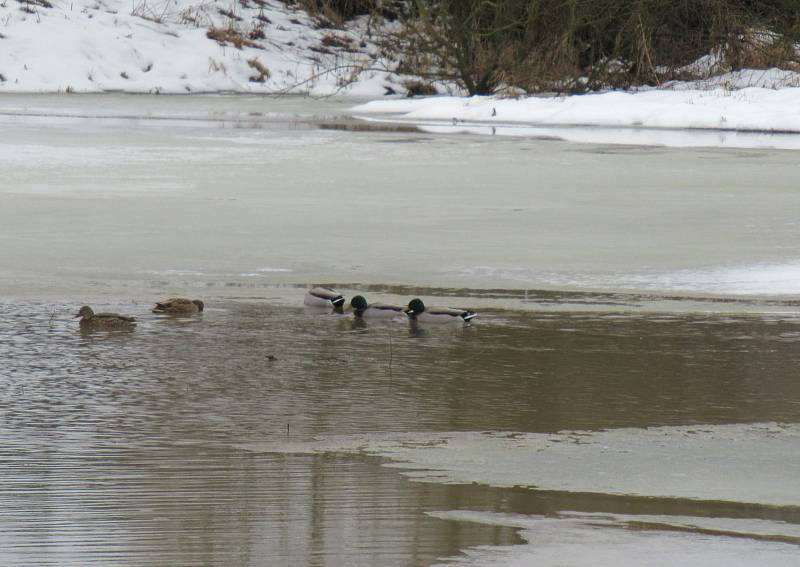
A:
x: 178, y: 305
x: 92, y: 320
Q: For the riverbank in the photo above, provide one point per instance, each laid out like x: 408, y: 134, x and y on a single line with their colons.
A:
x: 185, y: 47
x: 721, y: 109
x: 182, y: 47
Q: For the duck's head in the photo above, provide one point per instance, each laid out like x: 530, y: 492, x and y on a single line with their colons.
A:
x: 200, y: 304
x: 358, y: 303
x: 86, y: 312
x: 338, y: 304
x: 415, y: 307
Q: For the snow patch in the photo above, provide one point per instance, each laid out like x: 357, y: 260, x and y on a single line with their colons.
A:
x: 749, y: 110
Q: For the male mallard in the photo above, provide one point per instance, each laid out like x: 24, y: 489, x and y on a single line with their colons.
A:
x: 417, y: 311
x: 324, y: 297
x: 178, y: 305
x: 92, y: 320
x: 362, y: 309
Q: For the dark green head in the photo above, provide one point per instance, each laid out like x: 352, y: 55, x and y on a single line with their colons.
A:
x: 415, y: 307
x: 358, y: 303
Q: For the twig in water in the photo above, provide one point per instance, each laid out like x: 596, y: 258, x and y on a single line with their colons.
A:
x: 390, y: 354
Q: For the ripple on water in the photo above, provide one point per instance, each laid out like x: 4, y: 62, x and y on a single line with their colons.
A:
x: 123, y: 447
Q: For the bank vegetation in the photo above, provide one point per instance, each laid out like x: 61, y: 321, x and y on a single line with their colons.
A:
x: 487, y: 46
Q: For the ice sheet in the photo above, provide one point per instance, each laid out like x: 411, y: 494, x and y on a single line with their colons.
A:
x: 750, y: 463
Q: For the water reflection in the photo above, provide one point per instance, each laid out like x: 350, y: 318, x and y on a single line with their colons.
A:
x: 120, y: 447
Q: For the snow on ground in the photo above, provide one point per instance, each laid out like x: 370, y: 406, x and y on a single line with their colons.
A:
x: 162, y: 46
x: 751, y: 109
x: 265, y: 47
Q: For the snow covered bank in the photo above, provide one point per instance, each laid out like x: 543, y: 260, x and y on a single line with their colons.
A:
x: 178, y: 46
x: 265, y: 47
x: 750, y: 109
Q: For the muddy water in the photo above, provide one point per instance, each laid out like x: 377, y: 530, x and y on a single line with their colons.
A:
x: 125, y: 447
x: 130, y: 448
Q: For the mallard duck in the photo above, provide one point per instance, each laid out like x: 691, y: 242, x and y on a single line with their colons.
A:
x: 178, y: 305
x: 324, y: 297
x: 362, y: 309
x: 92, y: 320
x: 417, y: 311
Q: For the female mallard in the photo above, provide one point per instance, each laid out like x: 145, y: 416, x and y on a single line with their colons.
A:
x: 324, y: 297
x: 417, y: 311
x: 92, y: 320
x: 178, y: 305
x: 362, y: 309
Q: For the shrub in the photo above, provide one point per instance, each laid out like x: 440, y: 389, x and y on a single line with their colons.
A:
x: 579, y: 45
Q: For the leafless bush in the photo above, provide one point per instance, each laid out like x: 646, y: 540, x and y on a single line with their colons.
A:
x: 581, y: 45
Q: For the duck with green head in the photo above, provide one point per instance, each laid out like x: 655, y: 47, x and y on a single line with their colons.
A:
x: 417, y: 311
x: 108, y: 321
x: 179, y: 306
x: 363, y: 310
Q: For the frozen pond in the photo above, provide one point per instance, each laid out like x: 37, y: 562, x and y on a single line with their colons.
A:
x: 215, y: 191
x: 629, y: 386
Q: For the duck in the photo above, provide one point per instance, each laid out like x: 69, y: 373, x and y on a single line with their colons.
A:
x: 324, y: 297
x: 178, y: 305
x: 92, y: 320
x: 363, y: 310
x: 417, y: 311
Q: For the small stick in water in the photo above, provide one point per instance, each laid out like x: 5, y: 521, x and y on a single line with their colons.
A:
x: 390, y: 354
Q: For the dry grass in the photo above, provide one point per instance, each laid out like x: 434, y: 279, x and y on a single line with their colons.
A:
x: 336, y: 42
x: 584, y: 45
x: 263, y: 72
x: 230, y: 35
x: 419, y: 88
x: 40, y: 3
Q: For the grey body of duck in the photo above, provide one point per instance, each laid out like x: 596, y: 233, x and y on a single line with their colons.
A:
x: 324, y: 297
x: 417, y: 311
x: 92, y: 320
x: 179, y: 305
x: 362, y: 309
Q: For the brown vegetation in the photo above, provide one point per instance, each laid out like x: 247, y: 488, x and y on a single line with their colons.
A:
x: 576, y: 45
x: 263, y: 72
x: 230, y: 35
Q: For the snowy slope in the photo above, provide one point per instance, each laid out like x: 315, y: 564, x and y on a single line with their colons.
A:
x: 263, y: 46
x: 161, y: 46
